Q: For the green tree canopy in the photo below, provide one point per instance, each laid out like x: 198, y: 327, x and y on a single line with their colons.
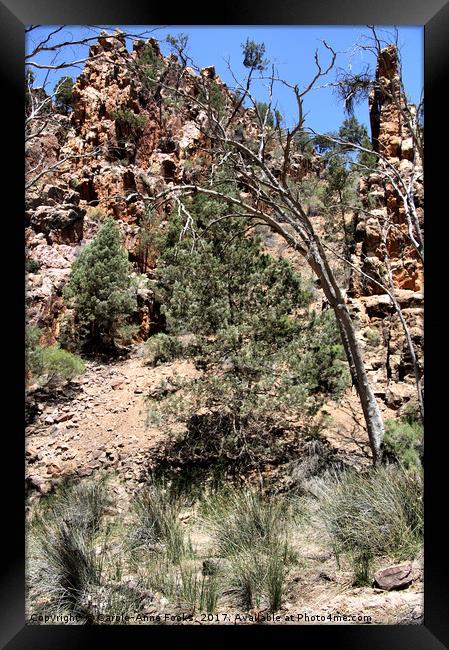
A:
x: 253, y: 54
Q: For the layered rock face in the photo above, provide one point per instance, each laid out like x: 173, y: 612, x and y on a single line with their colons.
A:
x: 384, y: 250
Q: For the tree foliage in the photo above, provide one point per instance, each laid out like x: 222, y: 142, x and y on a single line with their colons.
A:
x: 179, y: 44
x: 343, y: 169
x: 100, y: 288
x: 253, y: 54
x: 263, y: 109
x: 64, y: 94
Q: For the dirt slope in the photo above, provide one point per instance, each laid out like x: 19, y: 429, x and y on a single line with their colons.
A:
x: 99, y: 422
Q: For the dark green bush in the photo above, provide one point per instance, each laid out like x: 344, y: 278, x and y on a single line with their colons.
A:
x: 129, y: 125
x: 150, y: 67
x: 64, y: 94
x: 32, y: 266
x: 161, y: 348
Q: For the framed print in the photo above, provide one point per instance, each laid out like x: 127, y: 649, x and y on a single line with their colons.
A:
x: 224, y: 325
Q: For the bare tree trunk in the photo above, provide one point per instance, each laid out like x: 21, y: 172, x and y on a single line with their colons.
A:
x: 373, y: 417
x: 371, y: 411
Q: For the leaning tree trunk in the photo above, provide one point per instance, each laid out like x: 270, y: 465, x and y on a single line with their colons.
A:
x: 371, y: 411
x: 373, y: 417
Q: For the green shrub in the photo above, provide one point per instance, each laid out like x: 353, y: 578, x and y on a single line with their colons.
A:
x: 263, y: 109
x: 173, y: 101
x: 312, y: 194
x: 97, y: 214
x: 127, y: 117
x: 211, y: 94
x: 32, y: 266
x: 150, y: 67
x: 402, y: 442
x: 372, y: 337
x: 33, y: 359
x: 59, y: 366
x: 265, y: 355
x: 374, y: 514
x: 129, y: 127
x: 64, y: 94
x: 197, y: 591
x: 49, y: 366
x: 259, y: 575
x: 75, y: 557
x: 71, y: 567
x: 247, y: 578
x: 161, y: 348
x: 411, y: 412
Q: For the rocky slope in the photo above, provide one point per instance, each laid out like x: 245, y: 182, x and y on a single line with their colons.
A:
x: 97, y: 422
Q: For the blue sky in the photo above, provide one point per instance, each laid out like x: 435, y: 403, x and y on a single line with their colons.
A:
x: 290, y: 48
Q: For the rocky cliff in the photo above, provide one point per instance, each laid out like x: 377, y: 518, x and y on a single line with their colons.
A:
x: 383, y: 244
x: 64, y: 210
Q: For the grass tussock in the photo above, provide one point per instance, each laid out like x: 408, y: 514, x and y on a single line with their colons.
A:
x: 375, y: 514
x: 71, y: 565
x: 61, y: 555
x: 250, y: 532
x: 157, y: 524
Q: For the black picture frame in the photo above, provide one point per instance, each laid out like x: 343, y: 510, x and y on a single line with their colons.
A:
x: 434, y: 16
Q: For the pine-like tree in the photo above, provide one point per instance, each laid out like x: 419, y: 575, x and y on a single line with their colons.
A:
x: 100, y: 289
x: 265, y: 354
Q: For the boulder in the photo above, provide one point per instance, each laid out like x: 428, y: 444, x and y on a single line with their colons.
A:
x: 399, y: 576
x: 66, y: 220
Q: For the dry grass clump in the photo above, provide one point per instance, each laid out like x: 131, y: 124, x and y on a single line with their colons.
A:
x: 374, y: 514
x: 69, y: 557
x: 157, y: 524
x: 250, y: 532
